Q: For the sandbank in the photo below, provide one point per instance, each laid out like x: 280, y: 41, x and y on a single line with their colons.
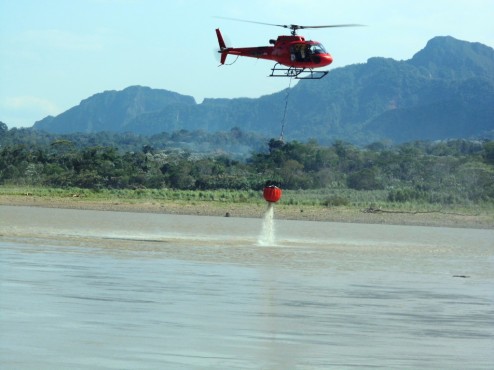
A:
x: 480, y: 220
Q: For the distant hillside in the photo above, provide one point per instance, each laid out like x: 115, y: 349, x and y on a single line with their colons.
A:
x: 445, y: 91
x: 112, y: 110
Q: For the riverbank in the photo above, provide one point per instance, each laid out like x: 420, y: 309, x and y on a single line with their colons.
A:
x: 372, y: 215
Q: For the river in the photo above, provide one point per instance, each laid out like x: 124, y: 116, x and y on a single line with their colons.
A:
x: 114, y: 290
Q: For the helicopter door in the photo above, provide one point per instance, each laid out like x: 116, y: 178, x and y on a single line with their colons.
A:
x: 300, y: 53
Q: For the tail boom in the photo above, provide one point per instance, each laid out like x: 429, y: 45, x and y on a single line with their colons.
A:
x: 260, y: 52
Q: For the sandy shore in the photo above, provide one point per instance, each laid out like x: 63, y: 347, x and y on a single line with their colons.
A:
x: 282, y: 211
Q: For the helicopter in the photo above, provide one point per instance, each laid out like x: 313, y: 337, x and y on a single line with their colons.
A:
x: 295, y: 56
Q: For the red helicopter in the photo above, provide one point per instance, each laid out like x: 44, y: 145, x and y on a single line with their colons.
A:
x: 294, y: 55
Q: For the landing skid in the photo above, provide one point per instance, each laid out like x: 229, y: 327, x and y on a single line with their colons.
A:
x: 297, y: 73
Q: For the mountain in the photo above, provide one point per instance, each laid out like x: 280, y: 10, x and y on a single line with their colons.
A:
x: 446, y: 90
x: 112, y: 110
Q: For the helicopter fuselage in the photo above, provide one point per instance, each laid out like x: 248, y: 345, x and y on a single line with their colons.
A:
x: 291, y: 51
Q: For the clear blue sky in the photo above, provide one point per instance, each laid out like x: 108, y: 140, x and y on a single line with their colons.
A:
x: 55, y: 53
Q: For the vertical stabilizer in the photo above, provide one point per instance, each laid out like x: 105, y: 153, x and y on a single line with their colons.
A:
x: 222, y: 45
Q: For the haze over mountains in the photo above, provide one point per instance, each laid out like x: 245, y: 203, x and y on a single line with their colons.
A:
x: 445, y: 91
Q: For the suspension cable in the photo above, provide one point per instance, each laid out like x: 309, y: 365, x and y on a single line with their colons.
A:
x: 284, y: 112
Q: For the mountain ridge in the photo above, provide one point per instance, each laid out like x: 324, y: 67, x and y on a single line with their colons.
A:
x: 446, y: 90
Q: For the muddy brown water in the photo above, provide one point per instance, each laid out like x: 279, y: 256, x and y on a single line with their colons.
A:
x: 115, y: 290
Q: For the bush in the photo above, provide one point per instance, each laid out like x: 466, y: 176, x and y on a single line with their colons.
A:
x: 335, y: 201
x: 365, y: 179
x: 405, y: 195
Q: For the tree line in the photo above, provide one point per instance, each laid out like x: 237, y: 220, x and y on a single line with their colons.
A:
x: 448, y: 172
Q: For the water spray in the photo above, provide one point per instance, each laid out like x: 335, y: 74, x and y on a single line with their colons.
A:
x: 271, y: 194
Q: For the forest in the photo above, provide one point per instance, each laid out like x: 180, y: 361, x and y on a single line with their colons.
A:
x: 443, y: 172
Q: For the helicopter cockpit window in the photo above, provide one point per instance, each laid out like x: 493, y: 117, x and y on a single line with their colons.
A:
x: 317, y: 49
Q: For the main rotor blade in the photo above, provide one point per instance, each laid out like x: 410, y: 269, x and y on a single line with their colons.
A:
x: 293, y: 27
x: 331, y: 26
x: 246, y: 21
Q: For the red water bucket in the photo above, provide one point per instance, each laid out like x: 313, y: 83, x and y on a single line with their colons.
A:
x: 272, y: 193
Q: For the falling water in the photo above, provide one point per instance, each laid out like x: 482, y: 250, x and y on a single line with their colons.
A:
x: 267, y: 232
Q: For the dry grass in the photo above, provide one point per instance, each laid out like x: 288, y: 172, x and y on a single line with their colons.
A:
x: 247, y: 204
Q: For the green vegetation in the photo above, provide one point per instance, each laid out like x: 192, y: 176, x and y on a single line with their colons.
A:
x: 456, y: 173
x: 128, y: 195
